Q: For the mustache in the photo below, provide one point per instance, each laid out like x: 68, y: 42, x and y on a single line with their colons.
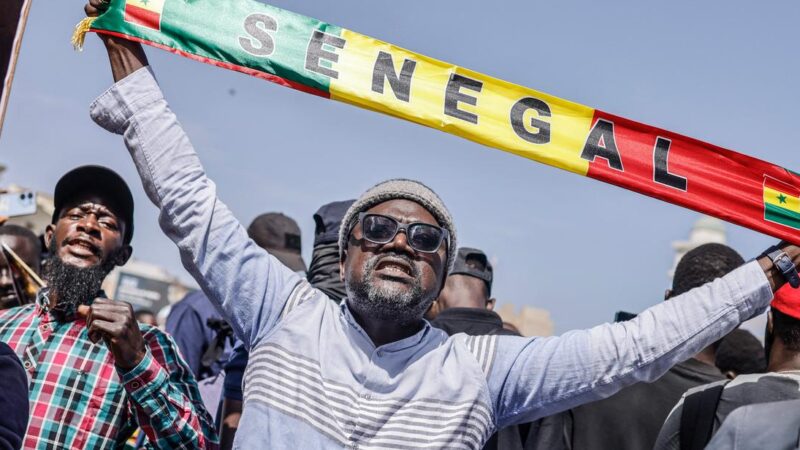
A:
x: 374, y: 260
x: 94, y: 249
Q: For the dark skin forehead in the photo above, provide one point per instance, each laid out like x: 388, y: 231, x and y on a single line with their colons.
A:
x: 98, y: 203
x: 23, y: 247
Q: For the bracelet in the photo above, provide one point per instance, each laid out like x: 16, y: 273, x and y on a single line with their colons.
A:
x: 784, y: 264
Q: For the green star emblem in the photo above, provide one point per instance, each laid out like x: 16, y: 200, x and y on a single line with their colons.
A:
x: 145, y: 2
x: 781, y: 198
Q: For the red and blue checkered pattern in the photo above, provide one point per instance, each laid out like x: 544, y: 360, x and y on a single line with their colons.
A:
x: 78, y: 398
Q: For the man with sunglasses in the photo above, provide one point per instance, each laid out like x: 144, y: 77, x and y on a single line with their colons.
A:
x: 371, y: 372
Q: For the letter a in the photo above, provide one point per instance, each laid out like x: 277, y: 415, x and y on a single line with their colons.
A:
x: 601, y: 143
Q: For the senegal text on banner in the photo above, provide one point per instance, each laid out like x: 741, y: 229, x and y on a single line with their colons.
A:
x: 329, y: 61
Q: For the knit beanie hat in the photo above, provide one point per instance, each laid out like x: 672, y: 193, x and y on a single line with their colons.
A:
x: 407, y: 190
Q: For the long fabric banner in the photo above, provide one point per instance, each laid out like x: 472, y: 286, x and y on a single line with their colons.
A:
x: 315, y: 57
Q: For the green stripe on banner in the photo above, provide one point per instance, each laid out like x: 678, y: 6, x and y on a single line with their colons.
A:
x: 782, y: 216
x: 243, y: 50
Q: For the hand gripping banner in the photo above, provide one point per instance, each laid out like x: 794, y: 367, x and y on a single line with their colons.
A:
x: 322, y: 59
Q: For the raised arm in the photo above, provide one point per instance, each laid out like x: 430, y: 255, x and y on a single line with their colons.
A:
x: 249, y: 286
x: 532, y: 378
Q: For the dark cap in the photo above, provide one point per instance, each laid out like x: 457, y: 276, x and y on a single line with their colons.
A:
x: 328, y: 219
x: 474, y: 263
x: 280, y: 236
x: 100, y: 181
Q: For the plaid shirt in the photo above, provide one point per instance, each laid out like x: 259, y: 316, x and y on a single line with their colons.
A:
x: 79, y: 399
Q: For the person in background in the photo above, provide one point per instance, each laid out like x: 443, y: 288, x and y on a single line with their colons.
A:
x: 13, y: 400
x: 465, y: 305
x: 780, y: 382
x: 26, y: 245
x: 323, y: 273
x: 740, y: 353
x: 631, y: 419
x: 188, y: 324
x: 146, y: 317
x: 280, y: 235
x: 95, y: 374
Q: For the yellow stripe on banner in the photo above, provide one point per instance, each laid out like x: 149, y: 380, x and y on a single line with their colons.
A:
x: 156, y: 6
x: 569, y: 122
x: 781, y: 200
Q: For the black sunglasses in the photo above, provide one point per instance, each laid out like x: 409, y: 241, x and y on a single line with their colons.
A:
x: 422, y: 237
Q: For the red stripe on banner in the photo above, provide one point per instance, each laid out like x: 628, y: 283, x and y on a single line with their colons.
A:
x: 684, y: 171
x: 782, y: 187
x: 225, y: 65
x: 143, y: 17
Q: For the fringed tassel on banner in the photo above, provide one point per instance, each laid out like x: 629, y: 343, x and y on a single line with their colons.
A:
x: 79, y: 35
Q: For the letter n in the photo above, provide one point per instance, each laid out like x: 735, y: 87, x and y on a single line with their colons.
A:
x: 400, y: 84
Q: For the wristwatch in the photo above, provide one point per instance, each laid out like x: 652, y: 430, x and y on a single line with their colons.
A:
x: 784, y: 264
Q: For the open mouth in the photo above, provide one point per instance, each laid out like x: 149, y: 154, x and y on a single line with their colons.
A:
x: 393, y: 267
x: 83, y: 248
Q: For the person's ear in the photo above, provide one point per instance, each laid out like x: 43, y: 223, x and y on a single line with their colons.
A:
x: 490, y: 304
x: 49, y: 230
x: 667, y: 294
x: 123, y: 255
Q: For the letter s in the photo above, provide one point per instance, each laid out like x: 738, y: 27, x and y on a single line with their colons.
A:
x: 260, y: 42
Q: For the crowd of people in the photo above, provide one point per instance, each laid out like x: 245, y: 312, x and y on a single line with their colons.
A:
x: 387, y: 339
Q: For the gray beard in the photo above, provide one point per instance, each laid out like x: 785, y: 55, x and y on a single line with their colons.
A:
x: 388, y: 301
x: 75, y: 285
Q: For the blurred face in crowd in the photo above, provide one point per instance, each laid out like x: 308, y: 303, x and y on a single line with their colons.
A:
x: 465, y: 291
x: 392, y: 281
x: 27, y: 251
x: 86, y: 243
x: 147, y: 317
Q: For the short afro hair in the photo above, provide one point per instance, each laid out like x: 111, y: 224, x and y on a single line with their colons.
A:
x: 741, y: 353
x: 702, y: 265
x: 787, y: 328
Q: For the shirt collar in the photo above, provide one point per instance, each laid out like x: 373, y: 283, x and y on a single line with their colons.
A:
x: 395, y: 346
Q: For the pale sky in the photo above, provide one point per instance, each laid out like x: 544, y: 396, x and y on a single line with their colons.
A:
x: 721, y: 71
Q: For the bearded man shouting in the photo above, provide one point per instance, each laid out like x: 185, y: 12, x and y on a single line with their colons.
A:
x: 95, y: 374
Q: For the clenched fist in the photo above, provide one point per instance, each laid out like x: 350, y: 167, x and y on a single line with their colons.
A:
x: 114, y: 323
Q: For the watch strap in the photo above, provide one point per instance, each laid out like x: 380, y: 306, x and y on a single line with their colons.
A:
x: 784, y: 264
